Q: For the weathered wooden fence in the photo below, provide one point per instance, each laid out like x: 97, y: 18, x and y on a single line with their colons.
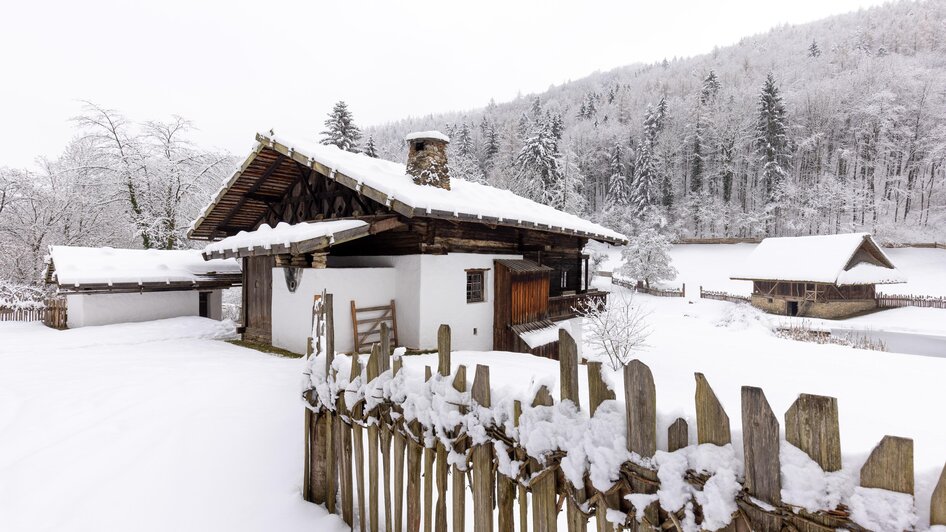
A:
x: 723, y: 296
x: 52, y: 313
x: 896, y: 301
x: 444, y: 462
x: 639, y: 287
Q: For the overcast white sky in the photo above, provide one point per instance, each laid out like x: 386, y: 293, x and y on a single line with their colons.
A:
x: 234, y: 67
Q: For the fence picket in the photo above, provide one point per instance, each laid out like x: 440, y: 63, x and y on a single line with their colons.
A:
x: 458, y: 486
x: 358, y: 450
x: 544, y: 509
x: 760, y: 441
x: 938, y: 501
x: 483, y: 480
x: 811, y: 424
x: 890, y: 465
x: 712, y: 422
x: 678, y: 435
x: 373, y: 369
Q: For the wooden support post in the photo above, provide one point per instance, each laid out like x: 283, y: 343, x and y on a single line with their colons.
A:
x: 458, y: 485
x: 598, y: 391
x: 443, y: 350
x: 440, y: 518
x: 568, y: 367
x: 811, y: 424
x: 331, y: 475
x: 544, y: 508
x: 938, y: 501
x: 307, y: 459
x: 482, y: 460
x: 890, y: 465
x: 760, y: 442
x: 678, y: 435
x: 400, y: 444
x: 358, y: 446
x: 344, y: 453
x: 374, y: 479
x: 318, y: 457
x: 712, y: 422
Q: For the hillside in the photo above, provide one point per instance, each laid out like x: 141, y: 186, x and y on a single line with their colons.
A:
x: 849, y: 135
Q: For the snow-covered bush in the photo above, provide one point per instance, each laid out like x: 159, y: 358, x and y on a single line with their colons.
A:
x: 614, y: 330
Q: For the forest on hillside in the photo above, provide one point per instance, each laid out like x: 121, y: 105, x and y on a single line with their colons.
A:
x: 833, y: 126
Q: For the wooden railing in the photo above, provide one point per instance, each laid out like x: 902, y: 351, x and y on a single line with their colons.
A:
x: 723, y: 296
x: 348, y: 451
x: 658, y: 292
x: 563, y: 307
x: 897, y: 301
x: 52, y: 313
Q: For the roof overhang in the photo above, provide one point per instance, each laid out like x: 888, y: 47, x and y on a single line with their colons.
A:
x: 272, y: 168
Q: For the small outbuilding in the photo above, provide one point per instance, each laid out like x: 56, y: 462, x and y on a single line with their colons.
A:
x: 827, y: 276
x: 104, y: 285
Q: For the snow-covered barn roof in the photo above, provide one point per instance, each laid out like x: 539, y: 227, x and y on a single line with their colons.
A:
x: 848, y: 259
x: 86, y: 269
x: 271, y: 169
x: 288, y: 238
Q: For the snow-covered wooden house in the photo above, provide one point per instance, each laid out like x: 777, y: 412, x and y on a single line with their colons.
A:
x: 829, y: 276
x: 102, y: 286
x: 395, y: 243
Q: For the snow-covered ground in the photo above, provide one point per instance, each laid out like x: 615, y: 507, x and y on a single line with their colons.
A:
x: 161, y: 426
x: 710, y: 265
x: 149, y: 426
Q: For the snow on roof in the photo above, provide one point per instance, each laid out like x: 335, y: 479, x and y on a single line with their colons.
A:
x: 464, y: 197
x: 818, y: 259
x: 283, y: 234
x: 76, y: 266
x: 427, y: 135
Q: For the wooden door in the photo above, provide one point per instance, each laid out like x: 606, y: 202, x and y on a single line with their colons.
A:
x: 258, y: 299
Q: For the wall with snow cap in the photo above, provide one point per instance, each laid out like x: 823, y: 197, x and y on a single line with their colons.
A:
x: 292, y: 311
x: 103, y: 309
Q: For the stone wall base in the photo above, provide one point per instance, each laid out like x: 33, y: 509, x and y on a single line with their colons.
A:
x: 831, y: 310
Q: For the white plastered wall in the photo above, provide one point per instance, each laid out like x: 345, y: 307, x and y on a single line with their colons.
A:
x: 103, y: 309
x: 292, y: 311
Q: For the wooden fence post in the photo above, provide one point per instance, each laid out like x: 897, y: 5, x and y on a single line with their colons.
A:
x: 328, y: 308
x: 678, y: 435
x: 331, y: 469
x: 598, y: 391
x: 811, y: 424
x: 414, y: 453
x: 640, y: 397
x: 429, y: 453
x: 459, y: 475
x: 760, y: 441
x: 890, y: 465
x: 712, y: 422
x: 521, y: 455
x: 544, y: 509
x: 344, y: 454
x: 384, y: 420
x: 938, y: 501
x: 568, y: 368
x: 373, y: 369
x: 482, y: 460
x: 358, y: 445
x: 400, y: 443
x: 443, y: 368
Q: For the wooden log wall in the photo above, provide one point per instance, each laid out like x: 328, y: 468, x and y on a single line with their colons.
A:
x: 432, y: 491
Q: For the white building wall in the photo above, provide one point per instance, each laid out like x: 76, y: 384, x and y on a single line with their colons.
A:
x: 292, y: 311
x: 104, y: 309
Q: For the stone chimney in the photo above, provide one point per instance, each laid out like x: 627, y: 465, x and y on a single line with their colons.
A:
x: 427, y: 158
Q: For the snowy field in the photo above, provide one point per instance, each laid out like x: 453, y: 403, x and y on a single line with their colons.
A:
x: 710, y: 265
x: 150, y: 426
x: 161, y: 426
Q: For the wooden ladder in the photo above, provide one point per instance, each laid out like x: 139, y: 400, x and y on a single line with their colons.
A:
x: 366, y: 325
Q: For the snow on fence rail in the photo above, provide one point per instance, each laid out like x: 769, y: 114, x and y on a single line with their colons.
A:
x: 896, y: 301
x: 52, y: 313
x: 562, y: 456
x: 723, y: 296
x: 638, y: 287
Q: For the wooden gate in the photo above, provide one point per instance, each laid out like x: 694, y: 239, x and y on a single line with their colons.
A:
x: 366, y: 325
x: 258, y: 299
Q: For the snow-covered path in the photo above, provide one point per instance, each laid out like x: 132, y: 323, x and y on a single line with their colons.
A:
x: 151, y: 426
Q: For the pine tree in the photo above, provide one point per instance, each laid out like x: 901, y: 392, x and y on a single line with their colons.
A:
x: 341, y: 129
x: 771, y: 138
x: 490, y: 142
x: 463, y: 139
x: 647, y: 181
x: 369, y: 148
x: 619, y: 189
x: 565, y: 192
x: 556, y: 125
x: 537, y: 162
x: 813, y: 49
x: 710, y: 88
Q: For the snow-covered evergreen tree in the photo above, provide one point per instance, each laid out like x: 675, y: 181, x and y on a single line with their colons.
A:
x: 537, y: 161
x: 370, y: 150
x: 813, y: 49
x: 619, y: 188
x: 647, y: 255
x: 463, y: 140
x: 341, y: 130
x: 771, y: 138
